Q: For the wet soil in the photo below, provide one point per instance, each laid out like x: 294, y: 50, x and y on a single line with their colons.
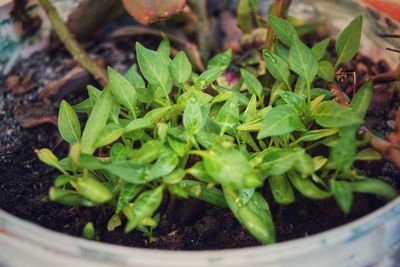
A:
x: 192, y: 225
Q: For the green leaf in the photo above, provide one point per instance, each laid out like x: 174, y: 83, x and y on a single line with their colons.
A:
x: 93, y: 190
x: 164, y: 48
x: 69, y: 198
x: 293, y: 100
x: 46, y: 156
x: 334, y: 115
x: 122, y: 90
x: 319, y: 49
x: 109, y: 134
x: 302, y: 61
x: 304, y: 163
x: 343, y: 193
x: 344, y: 153
x: 230, y: 167
x: 88, y: 231
x: 208, y: 77
x: 174, y: 177
x: 314, y: 135
x: 252, y: 83
x: 137, y: 124
x: 143, y: 208
x: 93, y: 93
x: 279, y: 121
x: 181, y: 69
x: 282, y: 52
x: 306, y: 187
x: 164, y: 165
x: 134, y: 78
x: 251, y: 110
x: 228, y: 116
x: 199, y: 172
x: 127, y: 194
x: 193, y: 119
x: 154, y: 66
x: 200, y: 191
x: 68, y: 123
x: 221, y: 60
x: 113, y: 222
x: 128, y: 171
x: 281, y: 189
x: 374, y: 186
x: 326, y: 71
x: 368, y: 154
x: 300, y: 87
x: 283, y: 29
x: 278, y: 67
x: 255, y: 216
x: 96, y: 121
x: 277, y: 161
x: 362, y: 99
x: 348, y: 42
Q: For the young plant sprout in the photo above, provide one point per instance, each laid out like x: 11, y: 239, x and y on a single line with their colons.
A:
x: 167, y: 134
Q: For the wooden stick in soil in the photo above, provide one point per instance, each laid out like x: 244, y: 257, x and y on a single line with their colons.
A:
x: 279, y: 8
x: 72, y: 45
x: 202, y: 27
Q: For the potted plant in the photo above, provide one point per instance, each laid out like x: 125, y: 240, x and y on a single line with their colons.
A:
x: 155, y: 140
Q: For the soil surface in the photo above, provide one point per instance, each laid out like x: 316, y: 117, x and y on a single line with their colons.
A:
x: 191, y: 225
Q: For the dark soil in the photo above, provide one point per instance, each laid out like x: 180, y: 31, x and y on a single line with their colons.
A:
x: 192, y: 225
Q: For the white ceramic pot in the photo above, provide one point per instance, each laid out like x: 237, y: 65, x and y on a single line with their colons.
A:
x: 373, y: 240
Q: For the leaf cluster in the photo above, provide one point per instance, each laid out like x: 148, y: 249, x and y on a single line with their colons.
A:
x: 168, y: 130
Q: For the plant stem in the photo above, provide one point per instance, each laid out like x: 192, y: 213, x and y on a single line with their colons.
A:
x: 203, y: 27
x: 72, y: 45
x: 279, y: 8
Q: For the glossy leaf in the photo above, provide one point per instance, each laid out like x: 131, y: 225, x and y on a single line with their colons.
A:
x: 164, y: 165
x: 255, y: 216
x: 181, y: 69
x: 122, y: 90
x: 93, y: 190
x: 200, y: 191
x: 306, y: 187
x: 230, y: 167
x: 193, y: 119
x: 143, y: 207
x: 281, y: 189
x: 96, y: 121
x: 279, y: 121
x: 68, y: 123
x: 109, y: 134
x: 127, y: 194
x: 251, y: 82
x: 348, y: 42
x: 319, y: 49
x: 374, y: 186
x: 343, y: 193
x: 154, y: 66
x: 278, y: 67
x: 228, y: 115
x: 332, y: 114
x: 302, y: 61
x: 283, y: 29
x: 326, y: 71
x: 344, y: 153
x: 362, y: 99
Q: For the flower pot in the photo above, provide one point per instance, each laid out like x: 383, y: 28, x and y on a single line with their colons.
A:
x: 373, y: 240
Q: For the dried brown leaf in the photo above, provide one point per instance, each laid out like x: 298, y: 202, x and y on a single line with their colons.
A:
x: 29, y: 115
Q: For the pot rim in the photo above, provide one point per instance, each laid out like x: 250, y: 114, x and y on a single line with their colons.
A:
x: 23, y: 228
